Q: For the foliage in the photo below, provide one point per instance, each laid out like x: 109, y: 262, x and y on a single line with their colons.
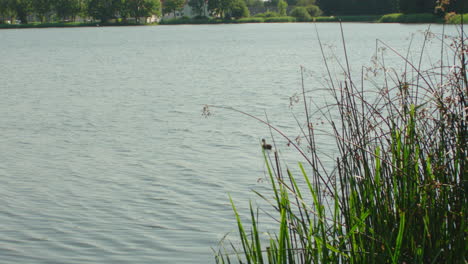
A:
x: 271, y: 3
x: 314, y: 10
x: 398, y: 190
x: 268, y: 14
x: 359, y: 7
x: 22, y: 8
x: 282, y: 7
x: 305, y: 2
x: 42, y: 8
x: 254, y: 3
x: 458, y: 6
x: 144, y: 8
x: 198, y: 6
x: 238, y: 9
x: 171, y: 6
x: 103, y: 9
x: 6, y: 9
x: 219, y: 7
x: 452, y: 18
x: 420, y: 6
x: 301, y: 14
x: 292, y: 2
x: 67, y: 8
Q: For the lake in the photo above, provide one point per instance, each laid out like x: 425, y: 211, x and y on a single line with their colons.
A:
x: 105, y: 155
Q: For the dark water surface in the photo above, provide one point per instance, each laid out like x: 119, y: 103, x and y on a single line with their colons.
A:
x: 105, y: 156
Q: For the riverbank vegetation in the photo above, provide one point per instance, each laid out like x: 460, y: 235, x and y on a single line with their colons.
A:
x: 72, y: 13
x: 397, y: 192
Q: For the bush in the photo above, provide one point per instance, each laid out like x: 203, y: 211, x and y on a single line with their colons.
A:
x: 250, y: 20
x: 391, y: 18
x: 268, y: 14
x: 410, y: 18
x: 280, y: 19
x: 301, y: 14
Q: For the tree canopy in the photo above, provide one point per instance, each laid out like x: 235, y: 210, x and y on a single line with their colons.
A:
x: 171, y: 6
x: 108, y: 9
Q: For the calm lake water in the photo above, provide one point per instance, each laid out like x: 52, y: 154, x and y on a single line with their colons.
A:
x: 105, y: 156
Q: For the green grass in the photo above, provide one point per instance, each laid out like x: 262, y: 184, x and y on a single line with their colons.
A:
x: 397, y: 192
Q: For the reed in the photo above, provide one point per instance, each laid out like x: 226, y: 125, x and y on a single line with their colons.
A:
x: 397, y: 191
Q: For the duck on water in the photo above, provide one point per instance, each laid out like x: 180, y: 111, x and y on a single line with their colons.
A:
x: 265, y: 145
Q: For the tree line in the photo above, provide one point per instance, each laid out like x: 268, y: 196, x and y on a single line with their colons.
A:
x: 64, y: 10
x: 369, y: 7
x: 378, y: 7
x: 104, y: 10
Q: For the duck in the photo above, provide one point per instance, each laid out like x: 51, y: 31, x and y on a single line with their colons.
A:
x: 265, y: 145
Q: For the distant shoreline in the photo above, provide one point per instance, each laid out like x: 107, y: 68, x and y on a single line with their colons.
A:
x: 388, y: 18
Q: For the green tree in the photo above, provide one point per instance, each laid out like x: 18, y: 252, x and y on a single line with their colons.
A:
x: 305, y: 2
x: 219, y: 7
x: 301, y: 14
x: 42, y: 8
x: 22, y: 8
x: 282, y: 8
x: 271, y: 3
x: 68, y: 8
x: 254, y: 3
x: 6, y: 10
x: 199, y: 6
x: 104, y: 9
x: 292, y: 2
x: 458, y: 6
x: 144, y: 8
x: 360, y: 7
x: 171, y: 6
x: 417, y: 6
x: 238, y: 9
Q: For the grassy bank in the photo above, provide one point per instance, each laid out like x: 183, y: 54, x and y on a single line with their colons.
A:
x: 397, y: 192
x: 179, y: 21
x: 65, y: 24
